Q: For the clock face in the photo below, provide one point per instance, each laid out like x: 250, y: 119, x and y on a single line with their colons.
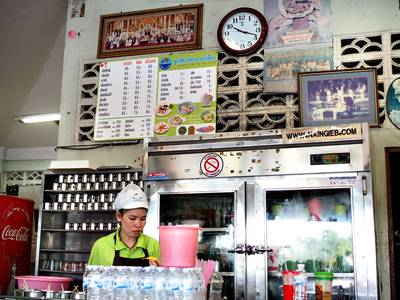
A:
x: 242, y: 32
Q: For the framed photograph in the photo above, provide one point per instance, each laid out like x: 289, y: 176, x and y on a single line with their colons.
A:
x: 393, y: 102
x: 338, y: 97
x: 151, y: 31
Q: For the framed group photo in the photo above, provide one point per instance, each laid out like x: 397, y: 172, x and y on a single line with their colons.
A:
x: 151, y: 31
x: 338, y: 97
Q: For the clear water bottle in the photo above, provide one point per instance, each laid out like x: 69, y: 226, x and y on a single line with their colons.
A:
x: 161, y: 280
x: 87, y: 276
x: 188, y: 285
x: 93, y: 282
x: 200, y: 287
x: 174, y: 284
x: 106, y: 283
x: 120, y: 283
x: 300, y: 284
x: 134, y: 277
x: 148, y: 286
x: 216, y: 284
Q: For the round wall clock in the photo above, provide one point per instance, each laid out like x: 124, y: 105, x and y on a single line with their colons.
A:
x: 242, y: 31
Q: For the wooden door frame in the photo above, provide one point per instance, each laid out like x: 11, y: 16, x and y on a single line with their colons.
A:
x: 388, y: 152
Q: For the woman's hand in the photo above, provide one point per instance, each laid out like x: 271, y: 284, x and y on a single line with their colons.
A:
x: 153, y: 261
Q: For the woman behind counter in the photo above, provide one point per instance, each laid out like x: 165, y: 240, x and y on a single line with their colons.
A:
x: 127, y: 246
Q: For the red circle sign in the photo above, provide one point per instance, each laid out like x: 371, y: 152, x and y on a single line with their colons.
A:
x: 211, y: 165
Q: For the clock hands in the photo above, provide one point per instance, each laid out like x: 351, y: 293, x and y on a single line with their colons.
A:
x: 243, y: 31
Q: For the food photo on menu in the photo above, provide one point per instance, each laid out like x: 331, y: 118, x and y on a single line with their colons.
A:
x: 186, y: 118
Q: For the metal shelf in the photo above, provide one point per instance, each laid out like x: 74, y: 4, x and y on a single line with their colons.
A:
x: 61, y: 272
x: 64, y: 250
x: 216, y: 229
x: 77, y: 231
x: 81, y: 191
x: 78, y: 211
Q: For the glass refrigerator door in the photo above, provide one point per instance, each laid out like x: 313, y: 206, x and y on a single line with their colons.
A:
x: 218, y: 207
x: 311, y: 227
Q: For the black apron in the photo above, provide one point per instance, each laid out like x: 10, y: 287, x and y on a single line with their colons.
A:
x: 130, y: 262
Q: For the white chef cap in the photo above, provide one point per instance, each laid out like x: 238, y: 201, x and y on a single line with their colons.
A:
x: 131, y: 197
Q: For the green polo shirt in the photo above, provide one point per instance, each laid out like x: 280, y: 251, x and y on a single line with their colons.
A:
x: 103, y: 250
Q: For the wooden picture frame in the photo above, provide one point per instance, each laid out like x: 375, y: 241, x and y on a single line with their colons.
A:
x: 338, y: 97
x: 151, y: 31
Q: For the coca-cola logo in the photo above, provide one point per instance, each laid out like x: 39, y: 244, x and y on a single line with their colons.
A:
x: 20, y: 234
x: 15, y: 232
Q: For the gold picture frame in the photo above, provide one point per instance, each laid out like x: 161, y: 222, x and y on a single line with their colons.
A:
x: 151, y: 31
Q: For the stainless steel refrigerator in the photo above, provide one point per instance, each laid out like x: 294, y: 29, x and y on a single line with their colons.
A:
x: 266, y: 205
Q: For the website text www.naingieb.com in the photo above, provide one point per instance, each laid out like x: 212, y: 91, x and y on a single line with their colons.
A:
x: 321, y: 133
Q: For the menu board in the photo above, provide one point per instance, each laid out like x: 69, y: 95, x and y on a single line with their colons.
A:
x: 127, y: 94
x: 167, y: 95
x: 187, y: 93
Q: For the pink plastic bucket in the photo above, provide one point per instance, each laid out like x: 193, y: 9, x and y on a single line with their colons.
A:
x: 51, y: 283
x: 179, y: 245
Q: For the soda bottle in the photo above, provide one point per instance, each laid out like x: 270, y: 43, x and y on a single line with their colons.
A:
x: 300, y: 283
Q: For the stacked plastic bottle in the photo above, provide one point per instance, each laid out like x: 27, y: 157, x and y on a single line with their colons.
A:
x: 149, y: 283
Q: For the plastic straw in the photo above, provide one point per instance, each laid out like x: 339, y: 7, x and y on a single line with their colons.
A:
x: 285, y: 265
x: 331, y: 262
x: 62, y: 287
x: 49, y: 287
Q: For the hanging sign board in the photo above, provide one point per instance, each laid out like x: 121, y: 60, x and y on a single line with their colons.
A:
x: 167, y: 95
x: 187, y: 93
x: 127, y: 93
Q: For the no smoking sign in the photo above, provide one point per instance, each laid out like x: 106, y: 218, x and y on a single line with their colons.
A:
x: 211, y: 165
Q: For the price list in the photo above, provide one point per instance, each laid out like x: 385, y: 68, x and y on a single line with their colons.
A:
x: 186, y: 85
x: 126, y: 99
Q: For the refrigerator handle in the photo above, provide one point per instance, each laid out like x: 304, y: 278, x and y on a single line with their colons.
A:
x: 240, y: 249
x: 364, y: 185
x: 259, y: 249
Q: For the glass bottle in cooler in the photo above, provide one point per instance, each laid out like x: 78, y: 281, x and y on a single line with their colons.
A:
x: 216, y: 284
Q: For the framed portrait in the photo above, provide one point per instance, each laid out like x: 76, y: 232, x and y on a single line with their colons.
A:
x: 150, y: 31
x: 338, y: 97
x: 393, y: 102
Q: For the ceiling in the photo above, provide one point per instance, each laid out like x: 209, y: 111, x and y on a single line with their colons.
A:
x: 32, y: 47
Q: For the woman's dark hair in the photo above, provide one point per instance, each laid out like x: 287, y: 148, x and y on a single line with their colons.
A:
x: 122, y: 210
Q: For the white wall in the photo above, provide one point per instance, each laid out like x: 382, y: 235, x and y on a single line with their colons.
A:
x: 348, y: 17
x: 85, y: 47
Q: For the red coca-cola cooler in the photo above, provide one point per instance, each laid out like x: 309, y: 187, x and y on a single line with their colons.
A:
x: 16, y: 218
